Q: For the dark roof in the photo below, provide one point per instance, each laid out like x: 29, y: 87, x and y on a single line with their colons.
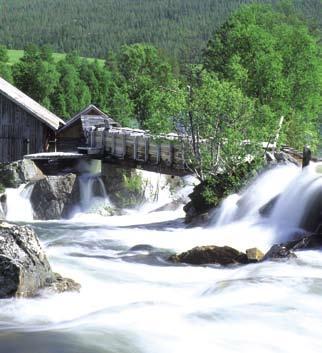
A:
x: 90, y: 109
x: 29, y: 105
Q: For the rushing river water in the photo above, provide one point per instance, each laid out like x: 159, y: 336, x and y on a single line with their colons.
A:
x: 133, y: 300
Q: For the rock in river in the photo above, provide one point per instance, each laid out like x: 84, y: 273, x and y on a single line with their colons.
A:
x: 222, y: 255
x: 54, y: 197
x: 24, y: 268
x: 278, y: 252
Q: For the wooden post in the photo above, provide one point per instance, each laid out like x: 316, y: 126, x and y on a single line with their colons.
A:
x: 307, y: 154
x: 103, y: 140
x: 146, y: 149
x: 158, y: 153
x: 113, y: 144
x: 135, y: 148
x: 123, y: 145
x: 171, y: 154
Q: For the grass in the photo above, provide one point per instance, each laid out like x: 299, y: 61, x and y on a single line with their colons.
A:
x: 15, y: 55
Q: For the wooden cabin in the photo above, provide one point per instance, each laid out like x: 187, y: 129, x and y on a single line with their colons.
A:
x: 76, y: 133
x: 25, y: 126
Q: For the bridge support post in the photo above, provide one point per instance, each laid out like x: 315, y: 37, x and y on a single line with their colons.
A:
x: 307, y: 155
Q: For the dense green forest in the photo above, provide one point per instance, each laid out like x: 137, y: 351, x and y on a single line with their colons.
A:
x: 93, y: 27
x: 263, y: 63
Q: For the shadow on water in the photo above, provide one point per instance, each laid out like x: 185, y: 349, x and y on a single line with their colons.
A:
x: 160, y: 226
x: 59, y: 342
x: 141, y: 254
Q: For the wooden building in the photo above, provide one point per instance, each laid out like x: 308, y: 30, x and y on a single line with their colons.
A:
x: 77, y: 131
x: 25, y: 126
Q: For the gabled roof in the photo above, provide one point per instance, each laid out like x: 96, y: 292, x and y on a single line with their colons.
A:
x: 29, y: 105
x: 90, y: 109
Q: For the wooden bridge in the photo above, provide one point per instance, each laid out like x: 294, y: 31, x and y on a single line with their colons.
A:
x: 91, y: 135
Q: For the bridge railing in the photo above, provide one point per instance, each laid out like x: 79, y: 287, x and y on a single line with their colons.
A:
x: 141, y: 147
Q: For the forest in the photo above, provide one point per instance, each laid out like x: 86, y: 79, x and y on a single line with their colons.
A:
x: 263, y: 64
x: 94, y: 27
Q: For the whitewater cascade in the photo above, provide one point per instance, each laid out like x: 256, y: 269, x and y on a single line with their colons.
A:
x: 92, y: 192
x: 294, y: 189
x: 128, y: 285
x: 297, y: 202
x: 18, y: 203
x: 260, y: 191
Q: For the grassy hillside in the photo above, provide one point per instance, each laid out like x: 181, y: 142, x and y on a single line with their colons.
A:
x: 93, y: 27
x: 15, y: 55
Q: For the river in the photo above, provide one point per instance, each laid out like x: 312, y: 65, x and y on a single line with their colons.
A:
x: 133, y: 300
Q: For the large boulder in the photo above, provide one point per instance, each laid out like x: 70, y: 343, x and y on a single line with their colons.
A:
x: 24, y: 268
x: 12, y: 175
x: 211, y: 254
x: 54, y: 197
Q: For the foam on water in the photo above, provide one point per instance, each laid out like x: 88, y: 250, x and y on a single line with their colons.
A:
x: 137, y: 301
x: 18, y: 204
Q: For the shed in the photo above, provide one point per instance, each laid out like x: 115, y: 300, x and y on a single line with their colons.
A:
x: 75, y: 132
x: 25, y: 126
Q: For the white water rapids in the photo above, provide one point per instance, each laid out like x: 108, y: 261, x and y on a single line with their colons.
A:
x: 134, y: 300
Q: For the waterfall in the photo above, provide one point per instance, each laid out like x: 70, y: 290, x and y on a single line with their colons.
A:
x: 18, y: 204
x: 298, y: 203
x: 159, y: 192
x: 260, y: 191
x: 92, y: 192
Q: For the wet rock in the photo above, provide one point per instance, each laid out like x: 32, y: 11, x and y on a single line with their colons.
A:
x: 285, y: 158
x: 254, y: 255
x: 278, y: 252
x: 222, y: 255
x: 24, y: 268
x: 61, y: 284
x: 12, y: 175
x: 54, y: 197
x: 308, y: 242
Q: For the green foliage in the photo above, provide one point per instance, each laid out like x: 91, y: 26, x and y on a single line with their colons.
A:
x: 143, y: 73
x: 5, y: 71
x: 3, y: 54
x: 272, y: 57
x: 179, y: 26
x: 259, y: 65
x: 132, y: 192
x: 219, y: 126
x: 35, y: 76
x: 215, y: 188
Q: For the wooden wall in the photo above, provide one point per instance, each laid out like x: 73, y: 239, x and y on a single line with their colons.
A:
x: 69, y: 139
x: 17, y: 125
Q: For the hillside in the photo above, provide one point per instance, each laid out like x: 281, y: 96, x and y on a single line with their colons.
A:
x: 15, y: 55
x: 93, y: 27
